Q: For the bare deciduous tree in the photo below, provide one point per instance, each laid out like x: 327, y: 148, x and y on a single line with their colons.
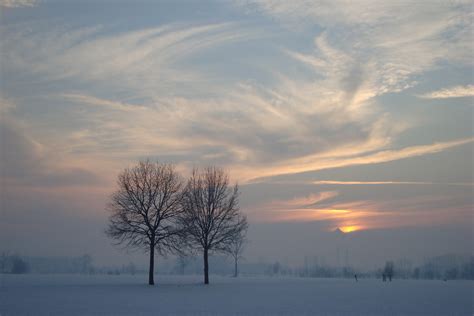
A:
x: 145, y: 208
x: 182, y: 261
x: 236, y: 248
x: 210, y: 216
x: 389, y: 270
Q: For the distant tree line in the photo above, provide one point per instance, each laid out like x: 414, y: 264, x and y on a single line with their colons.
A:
x: 155, y: 210
x: 17, y: 264
x: 446, y: 267
x: 80, y: 264
x: 13, y: 263
x: 308, y: 271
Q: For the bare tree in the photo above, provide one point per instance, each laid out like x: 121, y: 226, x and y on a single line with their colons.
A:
x: 85, y: 263
x: 389, y: 270
x: 182, y: 261
x: 236, y: 248
x: 144, y: 209
x: 211, y: 219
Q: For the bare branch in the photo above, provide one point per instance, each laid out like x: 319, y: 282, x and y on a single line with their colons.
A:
x: 210, y: 217
x: 144, y: 210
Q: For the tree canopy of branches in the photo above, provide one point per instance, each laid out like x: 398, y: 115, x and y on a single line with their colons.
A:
x: 210, y: 213
x: 145, y: 208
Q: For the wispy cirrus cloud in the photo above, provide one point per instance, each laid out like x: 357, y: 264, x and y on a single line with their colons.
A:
x: 301, y: 90
x: 316, y: 162
x: 391, y: 41
x: 108, y: 104
x: 144, y: 62
x: 335, y: 182
x: 151, y: 91
x: 295, y: 124
x: 453, y: 92
x: 172, y: 130
x: 17, y: 3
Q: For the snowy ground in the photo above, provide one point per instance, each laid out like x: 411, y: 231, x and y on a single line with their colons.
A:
x: 128, y: 295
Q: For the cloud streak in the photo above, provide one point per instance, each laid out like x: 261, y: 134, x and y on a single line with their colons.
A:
x: 294, y: 126
x: 453, y: 92
x: 261, y: 100
x: 335, y: 182
x: 108, y: 104
x: 17, y: 3
x: 314, y: 163
x: 320, y: 110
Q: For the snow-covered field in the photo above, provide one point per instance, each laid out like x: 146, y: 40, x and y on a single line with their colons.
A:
x: 173, y: 295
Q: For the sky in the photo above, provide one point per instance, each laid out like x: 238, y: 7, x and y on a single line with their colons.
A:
x: 349, y: 114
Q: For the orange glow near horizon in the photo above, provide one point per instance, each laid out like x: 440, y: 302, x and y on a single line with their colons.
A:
x: 337, y: 211
x: 348, y: 217
x: 312, y: 214
x: 341, y: 215
x: 350, y: 229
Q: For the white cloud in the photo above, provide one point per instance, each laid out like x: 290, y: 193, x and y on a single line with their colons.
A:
x: 113, y: 105
x: 335, y: 182
x: 453, y: 92
x: 17, y: 3
x: 143, y: 102
x: 313, y: 163
x: 186, y: 130
x: 145, y: 61
x: 393, y: 41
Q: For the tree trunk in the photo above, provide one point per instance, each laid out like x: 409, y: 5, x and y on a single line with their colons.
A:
x: 236, y: 272
x: 151, y: 271
x: 206, y: 267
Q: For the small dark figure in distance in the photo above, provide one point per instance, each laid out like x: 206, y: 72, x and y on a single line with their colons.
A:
x: 355, y: 277
x: 383, y: 277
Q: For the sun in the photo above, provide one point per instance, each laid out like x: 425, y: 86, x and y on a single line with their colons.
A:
x: 350, y: 229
